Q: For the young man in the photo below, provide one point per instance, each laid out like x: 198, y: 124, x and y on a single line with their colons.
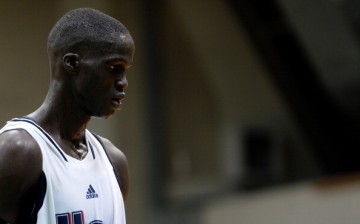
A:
x: 52, y: 169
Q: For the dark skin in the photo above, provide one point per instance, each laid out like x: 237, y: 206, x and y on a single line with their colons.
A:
x: 83, y: 85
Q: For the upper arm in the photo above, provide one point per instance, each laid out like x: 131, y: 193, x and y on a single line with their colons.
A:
x: 20, y: 168
x: 120, y: 164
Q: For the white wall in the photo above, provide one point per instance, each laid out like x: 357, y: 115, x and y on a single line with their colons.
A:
x: 300, y: 203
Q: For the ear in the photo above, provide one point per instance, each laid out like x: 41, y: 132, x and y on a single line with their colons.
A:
x: 71, y: 62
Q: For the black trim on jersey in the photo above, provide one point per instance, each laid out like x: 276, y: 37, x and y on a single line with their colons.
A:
x: 92, y: 150
x: 40, y: 196
x: 117, y: 176
x: 30, y: 121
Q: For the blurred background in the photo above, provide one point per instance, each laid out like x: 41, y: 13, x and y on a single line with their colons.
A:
x: 237, y: 111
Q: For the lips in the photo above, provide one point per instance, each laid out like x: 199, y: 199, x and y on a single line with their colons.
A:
x: 118, y: 98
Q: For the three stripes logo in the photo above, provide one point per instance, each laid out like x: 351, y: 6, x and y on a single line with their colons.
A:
x: 91, y: 193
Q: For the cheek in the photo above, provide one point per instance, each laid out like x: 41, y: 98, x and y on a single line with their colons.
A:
x: 90, y: 84
x: 94, y: 84
x: 97, y: 92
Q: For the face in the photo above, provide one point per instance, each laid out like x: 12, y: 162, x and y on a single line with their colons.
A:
x: 99, y: 87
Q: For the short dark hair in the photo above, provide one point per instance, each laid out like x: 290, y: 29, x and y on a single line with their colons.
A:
x: 81, y: 27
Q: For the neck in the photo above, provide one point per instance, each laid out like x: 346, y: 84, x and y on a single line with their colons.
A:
x: 61, y: 119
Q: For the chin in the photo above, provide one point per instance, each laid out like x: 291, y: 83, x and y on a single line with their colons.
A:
x: 103, y: 115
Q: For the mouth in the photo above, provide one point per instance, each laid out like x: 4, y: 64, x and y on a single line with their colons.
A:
x: 117, y: 100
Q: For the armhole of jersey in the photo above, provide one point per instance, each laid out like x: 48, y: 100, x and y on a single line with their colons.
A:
x: 111, y: 162
x: 41, y: 191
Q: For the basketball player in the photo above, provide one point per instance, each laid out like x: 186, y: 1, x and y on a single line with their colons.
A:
x: 52, y: 169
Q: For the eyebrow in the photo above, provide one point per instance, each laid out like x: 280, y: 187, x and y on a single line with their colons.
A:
x: 120, y: 62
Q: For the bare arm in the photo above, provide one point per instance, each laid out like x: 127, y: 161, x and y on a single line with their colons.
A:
x: 20, y: 168
x: 120, y: 164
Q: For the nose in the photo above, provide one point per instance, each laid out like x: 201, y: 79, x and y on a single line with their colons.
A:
x: 121, y: 84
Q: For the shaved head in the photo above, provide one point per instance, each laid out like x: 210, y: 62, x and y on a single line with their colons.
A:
x: 83, y: 27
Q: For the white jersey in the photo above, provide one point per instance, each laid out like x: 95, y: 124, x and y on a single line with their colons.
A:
x: 75, y: 192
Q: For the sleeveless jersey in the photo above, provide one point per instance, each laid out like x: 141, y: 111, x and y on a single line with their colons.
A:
x: 74, y: 191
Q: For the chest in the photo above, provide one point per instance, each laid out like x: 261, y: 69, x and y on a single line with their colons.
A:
x: 84, y: 190
x: 87, y: 197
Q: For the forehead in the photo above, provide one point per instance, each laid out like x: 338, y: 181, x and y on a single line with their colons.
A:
x: 122, y: 44
x: 120, y: 48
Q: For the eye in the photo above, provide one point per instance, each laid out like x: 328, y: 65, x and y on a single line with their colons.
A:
x: 117, y: 69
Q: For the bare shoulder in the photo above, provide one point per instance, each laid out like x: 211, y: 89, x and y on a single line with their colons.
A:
x: 20, y: 168
x: 18, y: 151
x: 120, y: 164
x: 114, y: 152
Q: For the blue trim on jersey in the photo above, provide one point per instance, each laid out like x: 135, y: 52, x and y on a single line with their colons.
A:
x: 44, y: 132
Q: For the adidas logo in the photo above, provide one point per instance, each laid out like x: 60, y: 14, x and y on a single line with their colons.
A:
x: 91, y: 193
